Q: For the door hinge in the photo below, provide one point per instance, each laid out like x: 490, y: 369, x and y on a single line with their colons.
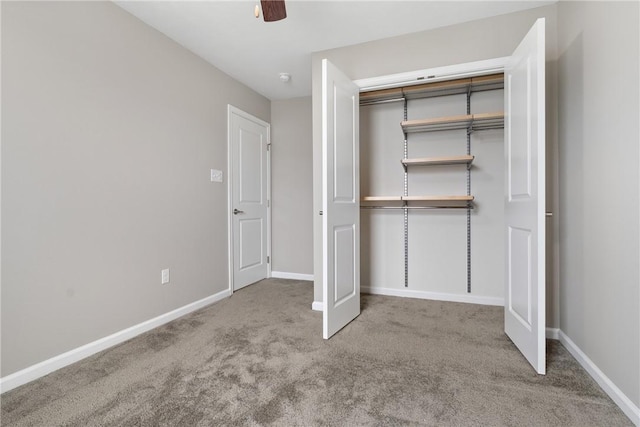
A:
x: 268, y: 260
x: 268, y: 146
x: 268, y: 203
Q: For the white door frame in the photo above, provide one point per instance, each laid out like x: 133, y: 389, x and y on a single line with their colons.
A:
x: 449, y: 72
x: 234, y: 110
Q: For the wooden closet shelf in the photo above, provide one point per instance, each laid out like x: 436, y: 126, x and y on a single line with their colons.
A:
x: 429, y: 90
x: 433, y: 89
x: 428, y: 161
x: 380, y: 95
x: 382, y: 199
x: 473, y: 121
x: 434, y: 199
x: 488, y: 82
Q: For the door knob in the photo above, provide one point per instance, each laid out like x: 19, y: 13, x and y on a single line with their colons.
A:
x: 236, y: 212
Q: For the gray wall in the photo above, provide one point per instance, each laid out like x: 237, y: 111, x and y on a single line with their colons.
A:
x: 109, y: 132
x: 598, y: 140
x: 472, y: 41
x: 291, y: 178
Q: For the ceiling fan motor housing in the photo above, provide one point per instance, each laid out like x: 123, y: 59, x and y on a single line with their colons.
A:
x: 273, y: 10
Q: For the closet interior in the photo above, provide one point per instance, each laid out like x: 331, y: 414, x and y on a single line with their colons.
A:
x: 432, y: 184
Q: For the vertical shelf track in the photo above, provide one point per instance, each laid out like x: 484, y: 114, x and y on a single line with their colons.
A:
x: 469, y: 130
x: 406, y: 210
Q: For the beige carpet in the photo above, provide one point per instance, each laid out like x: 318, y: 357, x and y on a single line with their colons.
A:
x: 258, y: 358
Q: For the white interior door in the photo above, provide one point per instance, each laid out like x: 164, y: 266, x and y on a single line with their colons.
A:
x: 524, y: 314
x: 340, y: 200
x: 249, y: 169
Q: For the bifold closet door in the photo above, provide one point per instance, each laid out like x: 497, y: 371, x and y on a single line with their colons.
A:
x: 340, y: 200
x: 524, y: 311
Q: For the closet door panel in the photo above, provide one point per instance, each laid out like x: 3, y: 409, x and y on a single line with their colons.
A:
x: 524, y: 197
x: 340, y: 200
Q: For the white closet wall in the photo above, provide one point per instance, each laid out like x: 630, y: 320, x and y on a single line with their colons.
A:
x: 437, y: 238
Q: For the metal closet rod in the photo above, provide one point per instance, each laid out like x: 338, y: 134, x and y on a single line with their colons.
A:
x: 416, y: 207
x: 383, y: 101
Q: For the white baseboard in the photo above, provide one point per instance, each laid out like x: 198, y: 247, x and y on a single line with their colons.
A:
x: 46, y: 367
x: 408, y: 293
x: 294, y: 276
x: 553, y: 333
x: 627, y: 406
x: 317, y: 306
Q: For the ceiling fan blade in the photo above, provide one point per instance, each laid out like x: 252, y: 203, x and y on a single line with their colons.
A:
x: 273, y: 10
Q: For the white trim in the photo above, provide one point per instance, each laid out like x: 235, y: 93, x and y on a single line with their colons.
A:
x: 269, y: 200
x: 317, y: 306
x: 294, y: 276
x: 438, y: 296
x: 230, y: 108
x: 553, y: 334
x: 627, y: 406
x: 235, y: 110
x: 43, y: 368
x: 468, y: 69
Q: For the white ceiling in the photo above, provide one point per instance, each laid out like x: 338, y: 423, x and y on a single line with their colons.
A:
x: 227, y: 35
